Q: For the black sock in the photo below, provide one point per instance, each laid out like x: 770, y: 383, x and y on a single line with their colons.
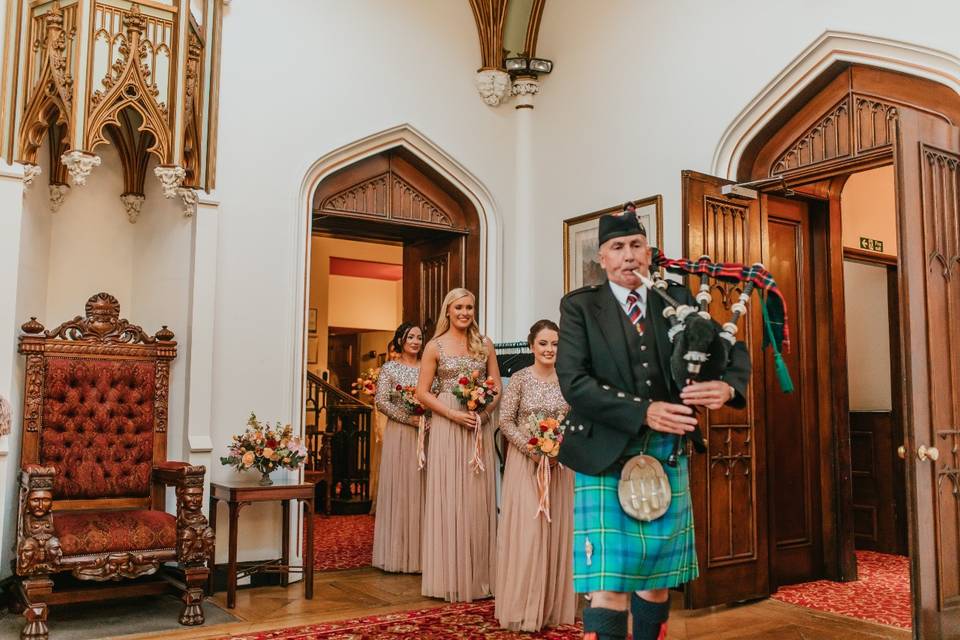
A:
x: 608, y: 624
x: 648, y: 617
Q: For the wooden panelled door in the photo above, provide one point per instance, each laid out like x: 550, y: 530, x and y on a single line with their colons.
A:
x: 793, y: 452
x: 928, y: 191
x: 756, y: 491
x: 431, y: 267
x: 729, y: 496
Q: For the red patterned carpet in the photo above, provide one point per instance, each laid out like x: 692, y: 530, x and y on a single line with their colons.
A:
x: 450, y: 622
x: 342, y: 542
x: 882, y: 594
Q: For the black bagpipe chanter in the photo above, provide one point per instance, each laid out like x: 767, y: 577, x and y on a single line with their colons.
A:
x: 702, y: 345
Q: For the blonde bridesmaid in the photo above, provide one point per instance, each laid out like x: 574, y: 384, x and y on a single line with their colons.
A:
x: 396, y: 532
x: 534, y: 549
x: 460, y: 516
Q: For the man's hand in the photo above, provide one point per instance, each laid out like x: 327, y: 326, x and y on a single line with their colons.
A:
x: 666, y: 417
x: 712, y: 395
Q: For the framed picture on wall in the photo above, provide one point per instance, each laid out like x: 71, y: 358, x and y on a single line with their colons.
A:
x: 312, y: 321
x: 313, y: 344
x: 581, y: 265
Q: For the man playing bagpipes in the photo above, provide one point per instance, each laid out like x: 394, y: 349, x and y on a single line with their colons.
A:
x: 633, y: 518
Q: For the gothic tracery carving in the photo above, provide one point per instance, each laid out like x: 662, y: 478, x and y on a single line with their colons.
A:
x: 129, y: 85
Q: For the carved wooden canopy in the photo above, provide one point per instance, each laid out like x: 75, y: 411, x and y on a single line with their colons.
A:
x: 147, y: 83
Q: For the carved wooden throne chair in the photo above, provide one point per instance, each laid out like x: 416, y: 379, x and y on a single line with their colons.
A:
x: 93, y: 471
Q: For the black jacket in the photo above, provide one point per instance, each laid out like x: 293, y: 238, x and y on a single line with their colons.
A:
x: 607, y: 407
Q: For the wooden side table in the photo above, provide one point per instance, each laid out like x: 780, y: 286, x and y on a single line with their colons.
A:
x: 238, y: 495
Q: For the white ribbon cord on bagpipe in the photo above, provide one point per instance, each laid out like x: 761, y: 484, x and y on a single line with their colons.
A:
x: 694, y: 327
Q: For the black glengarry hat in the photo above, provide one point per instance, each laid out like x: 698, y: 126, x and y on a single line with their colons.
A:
x: 617, y: 225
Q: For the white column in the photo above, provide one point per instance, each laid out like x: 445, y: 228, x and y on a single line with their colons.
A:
x: 199, y: 447
x: 524, y: 246
x: 11, y: 204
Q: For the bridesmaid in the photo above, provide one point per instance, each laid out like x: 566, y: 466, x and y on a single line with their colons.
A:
x: 534, y: 555
x: 396, y: 533
x: 460, y: 516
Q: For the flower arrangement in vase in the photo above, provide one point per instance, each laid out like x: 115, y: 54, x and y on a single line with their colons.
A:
x: 265, y: 447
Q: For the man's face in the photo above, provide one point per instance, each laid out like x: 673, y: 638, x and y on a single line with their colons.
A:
x: 620, y: 256
x: 193, y: 498
x: 39, y: 503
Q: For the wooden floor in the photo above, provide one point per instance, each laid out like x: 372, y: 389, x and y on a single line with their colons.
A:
x: 341, y: 595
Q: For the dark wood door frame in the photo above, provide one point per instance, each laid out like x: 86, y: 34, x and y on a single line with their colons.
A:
x: 861, y: 119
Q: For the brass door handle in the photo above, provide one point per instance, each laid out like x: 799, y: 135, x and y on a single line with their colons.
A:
x: 902, y: 452
x: 924, y: 453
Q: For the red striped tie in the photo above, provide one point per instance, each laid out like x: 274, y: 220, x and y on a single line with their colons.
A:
x: 634, y: 311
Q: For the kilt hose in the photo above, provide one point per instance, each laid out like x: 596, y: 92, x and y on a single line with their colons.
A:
x: 614, y: 552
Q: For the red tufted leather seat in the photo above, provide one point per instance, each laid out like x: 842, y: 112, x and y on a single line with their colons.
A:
x: 86, y: 532
x: 98, y: 418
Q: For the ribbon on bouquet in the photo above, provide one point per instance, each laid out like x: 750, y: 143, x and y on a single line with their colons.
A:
x: 378, y: 424
x: 421, y: 443
x: 476, y: 462
x: 543, y: 487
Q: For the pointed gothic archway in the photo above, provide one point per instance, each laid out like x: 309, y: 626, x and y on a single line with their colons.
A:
x: 432, y: 158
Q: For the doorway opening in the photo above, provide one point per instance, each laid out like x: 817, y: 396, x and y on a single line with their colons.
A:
x: 865, y: 204
x: 390, y: 236
x: 868, y: 211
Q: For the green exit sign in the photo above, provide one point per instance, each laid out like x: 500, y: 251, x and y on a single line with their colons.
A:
x: 869, y: 244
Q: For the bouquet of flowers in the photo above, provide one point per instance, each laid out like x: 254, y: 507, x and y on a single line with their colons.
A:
x: 366, y: 384
x: 265, y: 447
x: 407, y: 398
x: 475, y: 393
x: 546, y: 436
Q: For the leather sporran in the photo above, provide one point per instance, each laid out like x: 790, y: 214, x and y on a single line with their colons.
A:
x: 644, y: 489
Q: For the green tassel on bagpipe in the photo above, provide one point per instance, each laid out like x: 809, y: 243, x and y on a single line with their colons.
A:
x: 783, y: 374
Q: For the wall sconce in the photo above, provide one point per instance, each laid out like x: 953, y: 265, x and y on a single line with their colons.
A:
x: 522, y: 65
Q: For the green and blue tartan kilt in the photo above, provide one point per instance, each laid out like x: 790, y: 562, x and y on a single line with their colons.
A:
x: 614, y: 552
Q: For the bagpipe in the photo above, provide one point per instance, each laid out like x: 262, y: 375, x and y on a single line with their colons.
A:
x: 702, y: 346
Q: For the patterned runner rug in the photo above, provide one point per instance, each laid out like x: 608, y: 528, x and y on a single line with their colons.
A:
x: 882, y: 594
x: 472, y: 621
x: 342, y: 542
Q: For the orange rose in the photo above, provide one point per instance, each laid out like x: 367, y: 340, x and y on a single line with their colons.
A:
x: 475, y: 373
x: 471, y: 404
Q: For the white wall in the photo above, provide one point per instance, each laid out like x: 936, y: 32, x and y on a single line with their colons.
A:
x: 868, y: 208
x: 643, y: 90
x: 300, y: 79
x: 868, y: 336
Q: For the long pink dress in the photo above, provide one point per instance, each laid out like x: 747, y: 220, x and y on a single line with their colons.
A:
x: 534, y: 556
x: 401, y: 488
x: 460, y: 516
